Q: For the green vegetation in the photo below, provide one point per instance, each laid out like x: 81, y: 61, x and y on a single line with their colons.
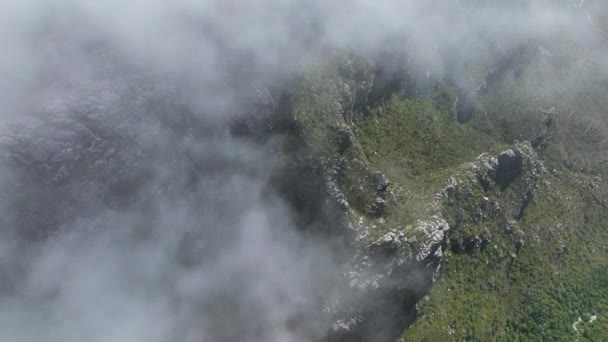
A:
x: 558, y: 276
x: 522, y: 261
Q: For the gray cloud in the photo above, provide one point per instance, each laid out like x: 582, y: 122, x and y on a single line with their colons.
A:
x: 192, y: 246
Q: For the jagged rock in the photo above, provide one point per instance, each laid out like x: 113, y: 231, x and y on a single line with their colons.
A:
x: 344, y: 95
x: 335, y: 194
x: 434, y: 232
x: 392, y: 257
x: 344, y: 137
x: 342, y: 326
x: 387, y: 244
x: 382, y: 183
x: 509, y: 226
x: 510, y: 165
x: 346, y: 329
x: 548, y: 118
x: 377, y: 207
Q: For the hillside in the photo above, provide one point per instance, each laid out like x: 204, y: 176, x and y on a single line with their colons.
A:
x: 303, y: 171
x: 489, y: 228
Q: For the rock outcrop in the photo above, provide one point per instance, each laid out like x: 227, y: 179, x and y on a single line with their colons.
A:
x: 496, y: 188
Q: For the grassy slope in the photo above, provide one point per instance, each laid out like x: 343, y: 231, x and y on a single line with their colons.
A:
x: 559, y: 274
x: 416, y: 144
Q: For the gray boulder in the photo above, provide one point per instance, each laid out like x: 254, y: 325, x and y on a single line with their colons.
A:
x: 510, y: 164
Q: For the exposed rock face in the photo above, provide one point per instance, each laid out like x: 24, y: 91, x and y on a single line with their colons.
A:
x: 382, y: 183
x: 385, y: 268
x: 492, y: 189
x: 434, y: 232
x: 509, y: 166
x: 377, y: 207
x: 344, y: 137
x: 386, y: 276
x: 387, y: 273
x: 76, y: 153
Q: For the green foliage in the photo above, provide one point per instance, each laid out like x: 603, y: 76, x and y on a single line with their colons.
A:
x: 527, y: 282
x: 558, y: 276
x: 416, y: 144
x: 560, y: 273
x: 414, y: 136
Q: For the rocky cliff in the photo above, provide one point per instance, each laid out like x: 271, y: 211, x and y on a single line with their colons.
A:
x: 452, y: 214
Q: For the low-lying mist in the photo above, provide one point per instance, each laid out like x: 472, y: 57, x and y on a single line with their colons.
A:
x: 131, y: 213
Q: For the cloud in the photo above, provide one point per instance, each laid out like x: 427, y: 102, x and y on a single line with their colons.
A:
x: 156, y: 224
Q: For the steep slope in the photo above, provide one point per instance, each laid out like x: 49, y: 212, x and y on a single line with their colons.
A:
x: 446, y: 223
